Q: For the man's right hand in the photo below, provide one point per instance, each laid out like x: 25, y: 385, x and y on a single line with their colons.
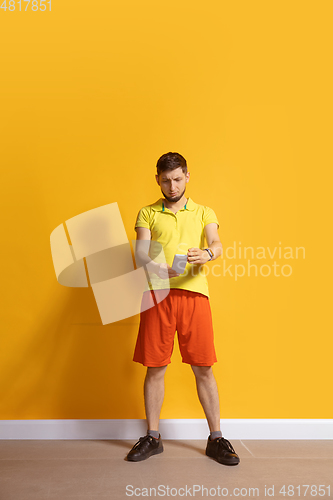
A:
x: 164, y: 271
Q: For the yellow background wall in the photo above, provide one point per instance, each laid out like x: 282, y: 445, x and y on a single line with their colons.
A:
x: 91, y: 95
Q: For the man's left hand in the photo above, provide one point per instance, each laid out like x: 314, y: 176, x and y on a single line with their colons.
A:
x: 197, y: 256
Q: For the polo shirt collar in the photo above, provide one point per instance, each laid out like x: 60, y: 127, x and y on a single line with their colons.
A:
x: 159, y: 205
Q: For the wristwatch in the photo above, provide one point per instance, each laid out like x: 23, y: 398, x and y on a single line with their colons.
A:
x: 211, y: 255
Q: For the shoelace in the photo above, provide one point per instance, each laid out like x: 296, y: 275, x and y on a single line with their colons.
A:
x: 141, y: 439
x: 226, y: 444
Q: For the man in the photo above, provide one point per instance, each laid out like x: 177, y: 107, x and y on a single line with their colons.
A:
x: 179, y: 225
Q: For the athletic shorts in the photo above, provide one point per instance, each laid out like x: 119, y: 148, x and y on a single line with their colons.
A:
x: 187, y: 312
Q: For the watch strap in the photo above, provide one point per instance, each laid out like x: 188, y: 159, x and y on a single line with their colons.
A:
x: 210, y: 253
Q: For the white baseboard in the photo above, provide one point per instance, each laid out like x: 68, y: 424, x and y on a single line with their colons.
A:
x: 169, y: 429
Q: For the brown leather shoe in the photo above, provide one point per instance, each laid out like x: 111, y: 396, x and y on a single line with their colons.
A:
x: 222, y: 451
x: 144, y: 448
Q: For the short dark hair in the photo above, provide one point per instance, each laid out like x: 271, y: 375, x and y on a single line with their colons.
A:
x: 171, y: 161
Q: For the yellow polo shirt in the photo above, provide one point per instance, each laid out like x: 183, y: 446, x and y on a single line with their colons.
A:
x: 177, y: 233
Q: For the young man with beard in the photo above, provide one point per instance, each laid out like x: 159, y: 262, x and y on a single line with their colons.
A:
x: 179, y: 225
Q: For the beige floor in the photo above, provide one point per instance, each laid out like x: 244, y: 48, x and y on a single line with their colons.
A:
x: 95, y: 470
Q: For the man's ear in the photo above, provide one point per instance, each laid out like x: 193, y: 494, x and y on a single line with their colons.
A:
x: 156, y: 177
x: 187, y: 176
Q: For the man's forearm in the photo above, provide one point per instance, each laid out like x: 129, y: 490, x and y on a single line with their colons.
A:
x: 216, y: 248
x: 143, y: 259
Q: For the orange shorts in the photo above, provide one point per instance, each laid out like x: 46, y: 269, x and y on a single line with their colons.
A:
x: 187, y: 312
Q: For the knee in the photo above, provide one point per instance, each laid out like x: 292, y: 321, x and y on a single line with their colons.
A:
x: 155, y: 372
x: 202, y: 372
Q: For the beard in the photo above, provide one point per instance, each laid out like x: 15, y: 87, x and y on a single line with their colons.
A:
x: 173, y: 199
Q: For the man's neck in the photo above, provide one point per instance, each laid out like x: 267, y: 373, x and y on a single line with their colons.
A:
x: 177, y: 205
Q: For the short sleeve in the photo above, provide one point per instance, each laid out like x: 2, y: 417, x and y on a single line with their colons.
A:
x: 210, y: 216
x: 143, y: 219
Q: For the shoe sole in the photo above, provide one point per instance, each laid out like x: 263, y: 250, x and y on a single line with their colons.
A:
x: 144, y: 457
x: 223, y: 463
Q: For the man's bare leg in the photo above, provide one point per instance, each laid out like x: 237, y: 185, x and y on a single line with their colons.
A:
x: 154, y: 395
x: 151, y: 443
x: 208, y: 395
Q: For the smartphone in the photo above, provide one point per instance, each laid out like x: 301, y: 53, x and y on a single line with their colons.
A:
x: 179, y: 263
